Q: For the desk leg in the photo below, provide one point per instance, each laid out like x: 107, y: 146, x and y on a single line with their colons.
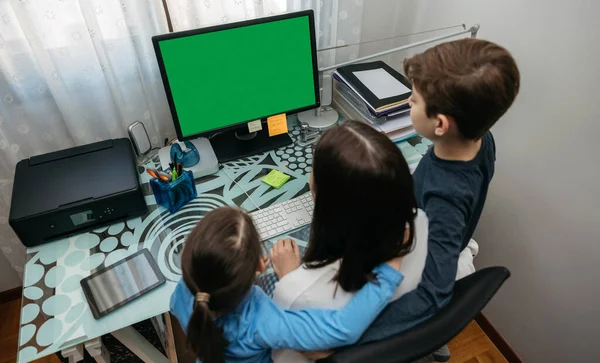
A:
x: 135, y: 342
x: 73, y: 354
x: 171, y: 351
x: 97, y: 350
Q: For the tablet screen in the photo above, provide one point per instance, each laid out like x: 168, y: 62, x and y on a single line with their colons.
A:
x: 121, y: 283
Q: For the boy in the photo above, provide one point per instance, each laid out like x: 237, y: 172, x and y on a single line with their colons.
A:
x: 460, y: 89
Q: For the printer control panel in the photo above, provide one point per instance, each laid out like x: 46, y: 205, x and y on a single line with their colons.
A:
x: 107, y: 212
x: 83, y: 217
x: 88, y: 216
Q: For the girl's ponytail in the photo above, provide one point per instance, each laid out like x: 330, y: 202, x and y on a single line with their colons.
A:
x: 204, y: 337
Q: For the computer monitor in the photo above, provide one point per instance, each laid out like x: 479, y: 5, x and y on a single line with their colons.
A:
x: 219, y: 78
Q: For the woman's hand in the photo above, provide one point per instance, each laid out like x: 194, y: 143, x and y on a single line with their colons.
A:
x: 285, y: 257
x: 318, y: 354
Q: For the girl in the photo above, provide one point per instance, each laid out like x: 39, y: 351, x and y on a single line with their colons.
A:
x: 227, y: 318
x: 365, y: 213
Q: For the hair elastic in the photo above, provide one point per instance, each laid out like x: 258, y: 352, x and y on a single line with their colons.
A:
x: 202, y: 297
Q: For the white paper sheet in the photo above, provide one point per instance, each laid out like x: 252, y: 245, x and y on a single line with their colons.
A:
x: 381, y: 83
x: 395, y: 123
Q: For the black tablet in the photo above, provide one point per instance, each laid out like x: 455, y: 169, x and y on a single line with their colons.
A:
x: 116, y: 285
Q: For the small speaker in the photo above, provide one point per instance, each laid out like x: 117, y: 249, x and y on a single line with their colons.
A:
x: 139, y: 138
x: 327, y: 90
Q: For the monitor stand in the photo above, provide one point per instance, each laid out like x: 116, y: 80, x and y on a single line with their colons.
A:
x: 238, y: 143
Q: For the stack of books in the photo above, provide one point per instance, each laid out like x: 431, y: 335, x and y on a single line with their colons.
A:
x: 375, y: 94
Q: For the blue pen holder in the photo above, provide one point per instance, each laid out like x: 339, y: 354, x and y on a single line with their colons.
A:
x: 175, y: 194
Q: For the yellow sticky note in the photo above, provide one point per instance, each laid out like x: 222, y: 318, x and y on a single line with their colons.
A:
x: 276, y: 179
x: 254, y: 126
x: 277, y: 124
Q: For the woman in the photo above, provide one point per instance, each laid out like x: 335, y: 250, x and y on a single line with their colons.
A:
x: 365, y: 213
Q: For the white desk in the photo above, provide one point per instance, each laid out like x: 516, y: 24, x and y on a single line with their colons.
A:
x: 55, y: 314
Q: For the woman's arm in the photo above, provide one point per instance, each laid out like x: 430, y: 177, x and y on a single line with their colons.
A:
x: 291, y: 286
x: 315, y: 329
x: 285, y: 257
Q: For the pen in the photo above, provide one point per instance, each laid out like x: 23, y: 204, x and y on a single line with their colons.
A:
x: 174, y: 171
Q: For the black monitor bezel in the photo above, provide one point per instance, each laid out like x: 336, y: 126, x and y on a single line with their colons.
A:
x: 158, y: 38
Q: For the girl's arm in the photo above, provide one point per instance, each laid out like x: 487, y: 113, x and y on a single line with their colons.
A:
x: 315, y: 329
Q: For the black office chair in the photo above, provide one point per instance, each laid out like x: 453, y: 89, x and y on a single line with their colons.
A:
x: 471, y: 295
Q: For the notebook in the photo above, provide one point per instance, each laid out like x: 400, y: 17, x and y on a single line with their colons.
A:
x: 383, y: 115
x: 396, y: 128
x: 377, y: 84
x: 352, y: 101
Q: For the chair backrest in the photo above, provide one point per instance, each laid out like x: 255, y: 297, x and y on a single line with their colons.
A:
x: 470, y: 296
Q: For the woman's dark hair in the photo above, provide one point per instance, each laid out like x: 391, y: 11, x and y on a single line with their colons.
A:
x: 220, y: 258
x: 364, y: 201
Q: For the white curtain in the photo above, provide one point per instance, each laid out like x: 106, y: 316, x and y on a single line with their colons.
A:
x: 78, y: 71
x: 74, y: 72
x: 338, y: 22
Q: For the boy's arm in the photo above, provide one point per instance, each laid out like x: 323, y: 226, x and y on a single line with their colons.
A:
x: 447, y: 222
x: 314, y: 329
x: 447, y: 225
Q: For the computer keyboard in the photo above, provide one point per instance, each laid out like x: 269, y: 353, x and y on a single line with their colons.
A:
x: 283, y: 217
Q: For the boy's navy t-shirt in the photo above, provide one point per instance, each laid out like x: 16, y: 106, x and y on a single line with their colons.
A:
x: 452, y: 194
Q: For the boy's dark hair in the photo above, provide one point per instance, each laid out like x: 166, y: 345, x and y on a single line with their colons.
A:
x: 364, y: 203
x: 220, y: 258
x: 473, y: 81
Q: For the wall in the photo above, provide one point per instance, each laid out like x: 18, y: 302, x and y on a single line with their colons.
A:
x: 541, y: 216
x: 8, y: 277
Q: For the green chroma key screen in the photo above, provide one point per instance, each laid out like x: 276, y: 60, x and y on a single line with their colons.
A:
x: 226, y: 77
